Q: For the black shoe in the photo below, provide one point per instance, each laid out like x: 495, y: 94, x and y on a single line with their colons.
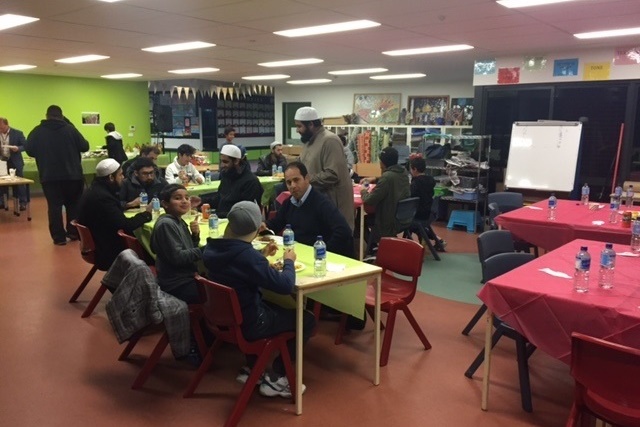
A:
x: 23, y: 207
x: 60, y: 242
x: 73, y: 237
x: 441, y: 245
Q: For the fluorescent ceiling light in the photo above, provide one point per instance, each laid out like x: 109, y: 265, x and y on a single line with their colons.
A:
x: 329, y: 28
x: 121, y: 76
x: 308, y: 82
x: 83, y: 58
x: 398, y: 76
x: 305, y: 61
x: 527, y: 3
x: 609, y: 33
x: 109, y: 1
x: 17, y: 67
x: 267, y: 77
x: 195, y: 70
x: 9, y: 20
x: 360, y: 71
x: 425, y: 50
x: 178, y: 46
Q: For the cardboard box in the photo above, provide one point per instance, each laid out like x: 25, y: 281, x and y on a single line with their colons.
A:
x: 334, y: 121
x: 368, y: 169
x: 292, y: 150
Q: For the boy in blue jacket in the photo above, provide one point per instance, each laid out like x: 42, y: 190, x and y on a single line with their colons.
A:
x: 232, y: 261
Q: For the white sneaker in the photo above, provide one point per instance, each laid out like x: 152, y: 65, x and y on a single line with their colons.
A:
x: 279, y: 387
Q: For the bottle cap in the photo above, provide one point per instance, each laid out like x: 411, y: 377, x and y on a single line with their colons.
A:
x: 583, y: 248
x: 609, y: 245
x: 319, y: 237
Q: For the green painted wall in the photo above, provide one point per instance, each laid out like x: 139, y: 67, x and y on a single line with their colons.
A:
x: 24, y: 99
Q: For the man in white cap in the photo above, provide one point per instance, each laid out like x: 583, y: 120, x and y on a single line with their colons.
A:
x: 237, y: 182
x: 323, y: 155
x: 232, y: 261
x: 101, y: 212
x: 56, y: 145
x: 269, y: 160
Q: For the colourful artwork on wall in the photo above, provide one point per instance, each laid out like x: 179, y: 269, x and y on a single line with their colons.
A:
x: 507, y: 76
x: 428, y: 110
x: 565, y: 67
x: 377, y: 108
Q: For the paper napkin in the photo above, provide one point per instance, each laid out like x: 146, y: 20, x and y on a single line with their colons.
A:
x: 534, y: 207
x: 597, y: 222
x: 555, y: 273
x: 631, y: 254
x: 335, y: 268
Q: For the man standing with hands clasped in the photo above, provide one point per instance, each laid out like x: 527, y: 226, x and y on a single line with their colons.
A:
x: 323, y: 155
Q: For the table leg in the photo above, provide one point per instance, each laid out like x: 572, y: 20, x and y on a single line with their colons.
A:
x: 299, y: 359
x: 361, y: 233
x: 5, y: 200
x: 376, y: 320
x: 487, y: 360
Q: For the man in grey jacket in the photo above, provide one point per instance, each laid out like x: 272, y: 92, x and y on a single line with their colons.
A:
x: 323, y: 154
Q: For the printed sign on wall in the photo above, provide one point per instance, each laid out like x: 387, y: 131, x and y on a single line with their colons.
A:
x: 597, y: 71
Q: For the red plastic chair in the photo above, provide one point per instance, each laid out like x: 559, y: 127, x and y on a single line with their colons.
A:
x: 224, y: 318
x: 88, y: 253
x: 607, y: 381
x: 404, y: 257
x: 133, y: 243
x: 195, y: 315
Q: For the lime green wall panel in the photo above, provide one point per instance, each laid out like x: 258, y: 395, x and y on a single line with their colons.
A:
x: 25, y: 99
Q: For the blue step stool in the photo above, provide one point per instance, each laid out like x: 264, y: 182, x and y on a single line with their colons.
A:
x: 464, y: 218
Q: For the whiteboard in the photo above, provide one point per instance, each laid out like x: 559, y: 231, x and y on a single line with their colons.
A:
x: 543, y: 155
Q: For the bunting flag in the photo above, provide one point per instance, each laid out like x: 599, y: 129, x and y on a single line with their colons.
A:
x: 231, y: 92
x: 221, y: 90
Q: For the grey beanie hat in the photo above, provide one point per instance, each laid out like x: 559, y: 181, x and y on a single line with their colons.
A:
x: 244, y: 218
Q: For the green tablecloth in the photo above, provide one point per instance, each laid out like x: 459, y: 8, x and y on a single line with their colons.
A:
x: 268, y: 184
x: 88, y: 170
x: 347, y: 299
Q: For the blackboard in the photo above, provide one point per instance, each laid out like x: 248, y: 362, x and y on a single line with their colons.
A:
x: 543, y: 155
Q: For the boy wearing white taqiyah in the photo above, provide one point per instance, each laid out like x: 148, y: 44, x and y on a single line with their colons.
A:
x: 232, y: 261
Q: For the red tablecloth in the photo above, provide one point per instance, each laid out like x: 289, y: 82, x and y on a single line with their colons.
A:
x: 573, y: 221
x: 546, y: 309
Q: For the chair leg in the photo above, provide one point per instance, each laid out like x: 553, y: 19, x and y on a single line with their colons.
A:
x: 388, y: 336
x: 425, y: 237
x: 151, y: 362
x: 476, y: 317
x: 130, y: 345
x: 204, y: 367
x: 84, y: 283
x: 317, y: 307
x: 371, y: 311
x: 288, y: 367
x: 416, y: 327
x: 523, y: 373
x: 480, y: 358
x: 247, y: 389
x: 94, y: 301
x: 195, y: 315
x: 342, y: 327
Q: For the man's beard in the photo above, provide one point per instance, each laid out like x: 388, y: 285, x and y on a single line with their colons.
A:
x: 231, y: 172
x: 306, y: 135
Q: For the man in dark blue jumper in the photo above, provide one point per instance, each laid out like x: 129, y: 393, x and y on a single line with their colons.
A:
x: 311, y: 214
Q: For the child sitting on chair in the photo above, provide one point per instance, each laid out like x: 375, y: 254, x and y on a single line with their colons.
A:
x: 232, y: 261
x: 422, y: 186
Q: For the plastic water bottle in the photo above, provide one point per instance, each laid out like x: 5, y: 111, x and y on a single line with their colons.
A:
x: 144, y: 201
x: 155, y: 204
x: 581, y: 275
x: 629, y: 199
x: 207, y: 176
x: 635, y: 236
x: 274, y: 170
x: 320, y: 258
x: 614, y: 205
x: 279, y: 170
x: 585, y: 194
x: 618, y: 192
x: 553, y: 204
x: 288, y: 237
x: 365, y: 183
x: 607, y: 266
x: 213, y: 224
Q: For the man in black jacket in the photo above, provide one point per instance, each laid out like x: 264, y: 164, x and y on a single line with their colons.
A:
x: 237, y: 182
x: 11, y: 148
x: 99, y: 210
x: 311, y: 214
x: 144, y: 178
x: 56, y: 145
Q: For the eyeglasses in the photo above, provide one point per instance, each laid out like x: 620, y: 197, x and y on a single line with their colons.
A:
x: 150, y: 173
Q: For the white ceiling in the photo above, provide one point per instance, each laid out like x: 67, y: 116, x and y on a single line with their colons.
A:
x: 243, y: 33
